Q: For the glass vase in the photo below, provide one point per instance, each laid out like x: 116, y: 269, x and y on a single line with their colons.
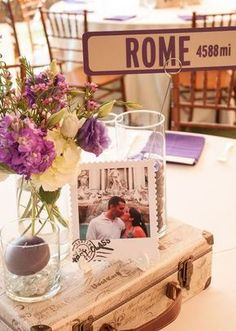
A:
x: 141, y: 135
x: 109, y: 121
x: 31, y: 259
x: 30, y: 203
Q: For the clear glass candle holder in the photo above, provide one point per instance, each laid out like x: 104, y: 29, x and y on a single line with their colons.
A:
x: 31, y: 259
x: 110, y: 120
x: 141, y: 135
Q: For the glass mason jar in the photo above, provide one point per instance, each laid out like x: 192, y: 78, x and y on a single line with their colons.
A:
x: 31, y: 259
x: 140, y: 135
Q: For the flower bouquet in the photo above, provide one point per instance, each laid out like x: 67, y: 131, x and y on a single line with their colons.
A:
x: 44, y: 124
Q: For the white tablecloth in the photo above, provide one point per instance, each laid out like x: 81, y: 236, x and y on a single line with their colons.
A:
x: 203, y: 196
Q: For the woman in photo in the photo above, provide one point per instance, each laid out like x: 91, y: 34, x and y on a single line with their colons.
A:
x: 134, y: 225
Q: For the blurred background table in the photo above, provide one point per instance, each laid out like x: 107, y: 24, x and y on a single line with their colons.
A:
x: 147, y: 89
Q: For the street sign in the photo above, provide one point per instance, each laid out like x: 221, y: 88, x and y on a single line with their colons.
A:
x: 153, y: 51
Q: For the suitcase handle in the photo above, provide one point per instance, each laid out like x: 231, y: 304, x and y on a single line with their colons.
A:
x: 173, y: 291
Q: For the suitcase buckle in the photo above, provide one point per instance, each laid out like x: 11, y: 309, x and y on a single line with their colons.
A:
x: 185, y: 271
x: 40, y: 327
x: 86, y: 325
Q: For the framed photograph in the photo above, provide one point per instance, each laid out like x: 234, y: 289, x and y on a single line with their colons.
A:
x: 114, y: 212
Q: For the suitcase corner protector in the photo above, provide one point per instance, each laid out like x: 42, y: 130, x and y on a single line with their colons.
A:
x: 208, y: 237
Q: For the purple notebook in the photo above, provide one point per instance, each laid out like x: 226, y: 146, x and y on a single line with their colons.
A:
x: 184, y: 149
x: 119, y: 17
x: 180, y: 148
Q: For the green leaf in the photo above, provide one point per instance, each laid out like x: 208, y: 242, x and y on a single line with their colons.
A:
x: 54, y: 67
x: 105, y: 108
x: 59, y: 217
x: 129, y: 104
x: 5, y: 169
x: 56, y: 118
x: 75, y: 92
x: 133, y: 105
x: 76, y: 100
x: 27, y: 68
x: 49, y: 197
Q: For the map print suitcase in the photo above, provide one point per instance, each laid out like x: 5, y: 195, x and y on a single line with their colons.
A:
x: 121, y: 296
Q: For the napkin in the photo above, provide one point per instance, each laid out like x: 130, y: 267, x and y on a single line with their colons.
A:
x: 189, y: 17
x: 119, y: 17
x: 76, y: 1
x: 182, y: 148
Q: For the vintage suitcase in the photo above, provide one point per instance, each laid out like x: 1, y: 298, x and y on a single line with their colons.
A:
x: 121, y: 297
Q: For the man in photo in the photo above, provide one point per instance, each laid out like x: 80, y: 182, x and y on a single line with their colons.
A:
x: 108, y: 225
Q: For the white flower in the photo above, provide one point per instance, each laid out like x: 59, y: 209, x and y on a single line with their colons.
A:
x: 5, y: 171
x: 64, y: 168
x: 3, y: 176
x: 70, y: 125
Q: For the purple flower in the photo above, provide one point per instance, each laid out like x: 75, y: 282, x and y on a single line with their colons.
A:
x: 23, y: 147
x: 93, y: 137
x: 92, y: 105
x: 91, y: 86
x: 44, y: 88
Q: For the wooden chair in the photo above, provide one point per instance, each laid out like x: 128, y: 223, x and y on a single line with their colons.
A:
x: 195, y: 92
x: 10, y: 20
x: 63, y: 33
x: 29, y: 9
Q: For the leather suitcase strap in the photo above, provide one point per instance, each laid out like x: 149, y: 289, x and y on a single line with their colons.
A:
x: 173, y: 291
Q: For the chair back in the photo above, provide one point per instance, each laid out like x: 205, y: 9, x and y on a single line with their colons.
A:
x: 213, y: 20
x: 205, y: 94
x: 10, y: 20
x: 29, y: 8
x: 63, y: 32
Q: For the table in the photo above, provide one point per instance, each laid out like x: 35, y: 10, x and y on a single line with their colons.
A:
x: 203, y: 196
x: 146, y: 89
